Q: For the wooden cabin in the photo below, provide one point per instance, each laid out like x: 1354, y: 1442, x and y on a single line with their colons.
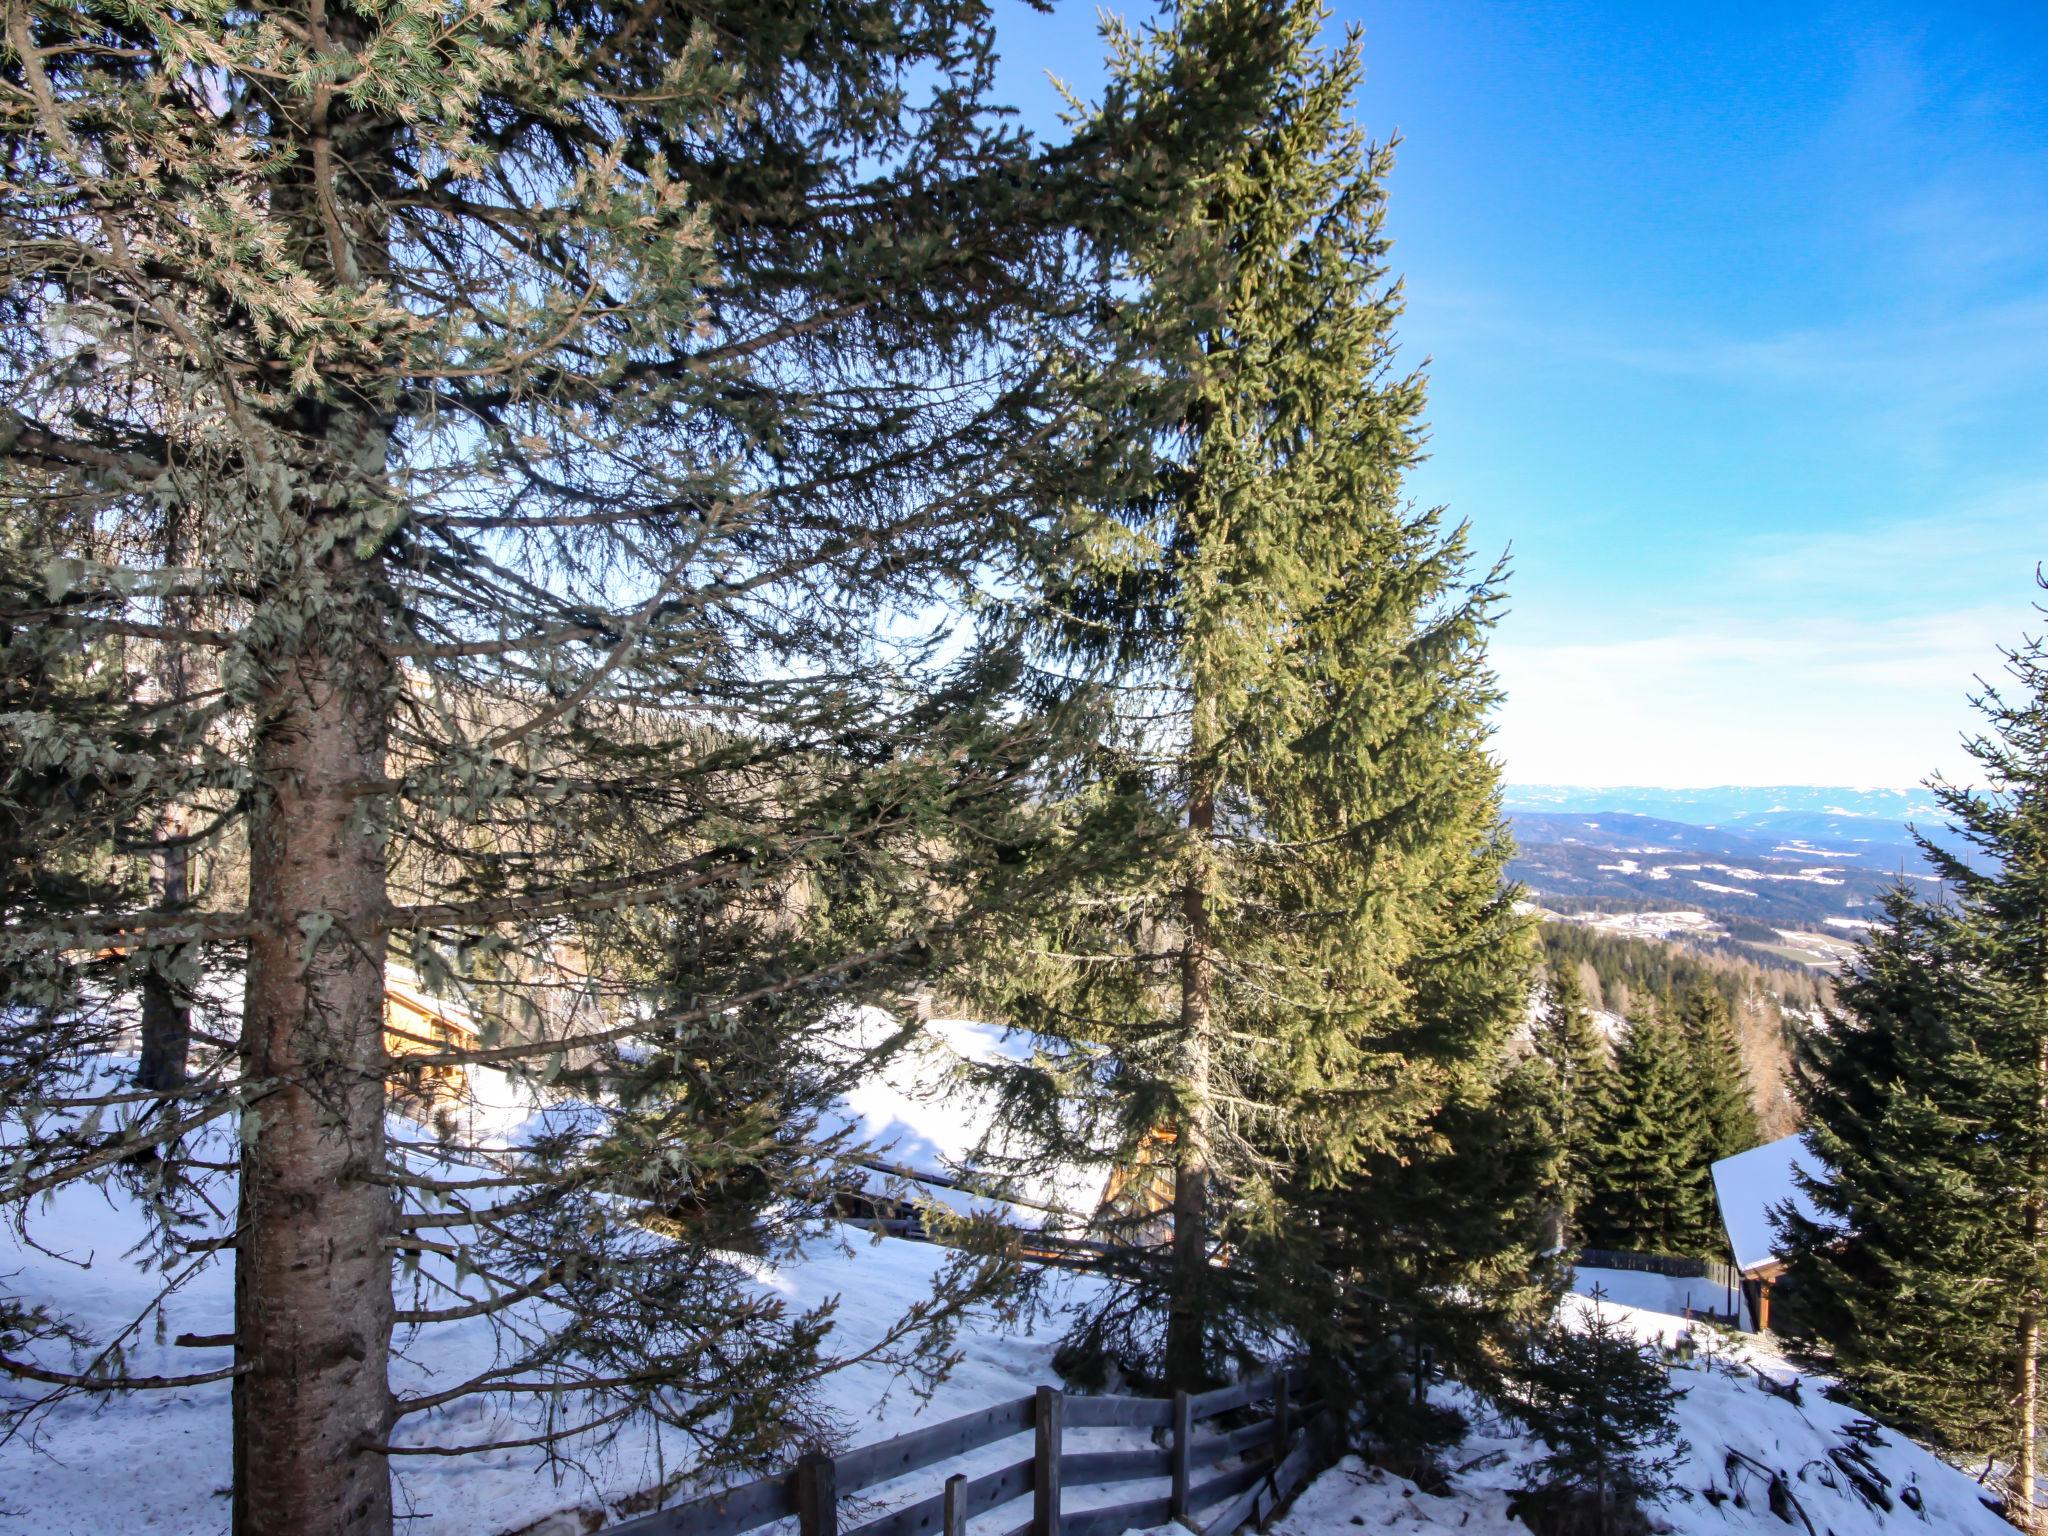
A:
x: 417, y: 1023
x: 1749, y: 1187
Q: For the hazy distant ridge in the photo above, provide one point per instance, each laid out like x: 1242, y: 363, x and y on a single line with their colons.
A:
x: 1733, y: 804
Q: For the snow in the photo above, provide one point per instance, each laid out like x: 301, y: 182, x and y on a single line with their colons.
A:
x: 1724, y: 890
x: 1751, y: 1184
x: 159, y: 1461
x: 1730, y: 1427
x: 1671, y: 1295
x: 914, y: 1110
x: 1651, y: 925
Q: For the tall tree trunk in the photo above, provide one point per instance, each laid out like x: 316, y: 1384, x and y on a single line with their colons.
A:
x: 2028, y: 1344
x: 1191, y: 1172
x: 2028, y: 1512
x: 313, y: 1306
x: 166, y: 1010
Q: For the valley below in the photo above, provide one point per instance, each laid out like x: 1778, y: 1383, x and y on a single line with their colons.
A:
x: 1789, y: 875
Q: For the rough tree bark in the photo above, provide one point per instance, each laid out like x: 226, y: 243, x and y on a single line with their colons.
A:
x: 166, y: 1012
x: 166, y: 1009
x: 1191, y: 1173
x: 313, y: 1306
x: 2027, y: 1513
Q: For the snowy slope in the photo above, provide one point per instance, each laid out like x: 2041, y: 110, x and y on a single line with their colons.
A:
x: 914, y: 1110
x: 159, y: 1461
x: 1724, y: 1411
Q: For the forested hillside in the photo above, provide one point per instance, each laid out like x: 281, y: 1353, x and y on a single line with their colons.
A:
x: 1769, y: 1005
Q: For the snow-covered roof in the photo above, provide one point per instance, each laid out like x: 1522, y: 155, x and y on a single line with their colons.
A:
x: 911, y: 1111
x: 1750, y: 1185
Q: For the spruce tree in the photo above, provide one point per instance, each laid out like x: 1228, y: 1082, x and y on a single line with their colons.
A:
x: 1886, y: 1280
x: 1294, y: 745
x: 1652, y: 1190
x: 1603, y: 1404
x: 1431, y: 1258
x: 1930, y: 1106
x: 471, y: 475
x: 1565, y: 1038
x: 1726, y: 1100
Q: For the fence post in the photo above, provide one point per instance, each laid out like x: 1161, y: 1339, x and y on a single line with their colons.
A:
x: 817, y: 1495
x: 1045, y: 1488
x: 1183, y: 1423
x: 956, y: 1505
x: 1283, y: 1420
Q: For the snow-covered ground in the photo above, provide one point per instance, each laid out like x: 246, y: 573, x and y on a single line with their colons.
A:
x: 914, y: 1111
x: 1733, y: 1430
x: 1680, y: 924
x: 159, y: 1461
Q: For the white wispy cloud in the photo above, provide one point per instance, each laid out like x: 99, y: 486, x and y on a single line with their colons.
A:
x: 1743, y: 699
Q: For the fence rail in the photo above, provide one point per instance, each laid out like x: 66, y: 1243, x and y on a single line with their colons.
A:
x: 1675, y: 1265
x: 812, y: 1490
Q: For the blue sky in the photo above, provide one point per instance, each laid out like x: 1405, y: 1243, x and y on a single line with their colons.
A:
x: 1737, y: 320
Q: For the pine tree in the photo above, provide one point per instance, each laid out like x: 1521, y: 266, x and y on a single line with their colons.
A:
x: 1566, y: 1039
x: 1726, y: 1099
x: 1603, y: 1405
x: 1294, y: 751
x: 1930, y: 1105
x: 1430, y: 1258
x: 530, y: 434
x: 1887, y: 1281
x: 1652, y: 1191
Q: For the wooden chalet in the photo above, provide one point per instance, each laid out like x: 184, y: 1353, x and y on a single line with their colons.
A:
x: 1749, y: 1187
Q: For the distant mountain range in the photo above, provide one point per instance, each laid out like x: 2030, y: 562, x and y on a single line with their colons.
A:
x: 1794, y: 872
x: 1784, y: 811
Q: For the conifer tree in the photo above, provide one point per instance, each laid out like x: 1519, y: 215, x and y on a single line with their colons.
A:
x: 524, y: 432
x: 1727, y: 1102
x: 1296, y: 745
x: 1603, y: 1405
x: 1430, y: 1258
x: 1566, y: 1039
x: 1930, y: 1106
x: 1887, y: 1280
x: 1652, y: 1190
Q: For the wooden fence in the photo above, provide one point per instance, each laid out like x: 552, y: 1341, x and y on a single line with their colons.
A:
x: 1721, y: 1277
x: 1711, y: 1270
x: 1275, y: 1452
